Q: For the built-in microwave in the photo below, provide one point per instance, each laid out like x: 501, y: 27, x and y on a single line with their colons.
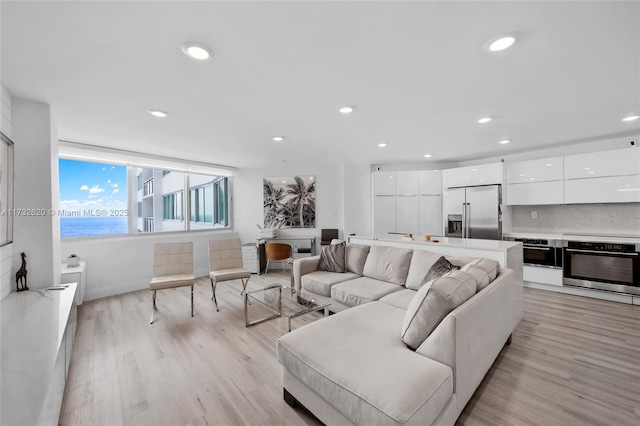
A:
x: 540, y: 252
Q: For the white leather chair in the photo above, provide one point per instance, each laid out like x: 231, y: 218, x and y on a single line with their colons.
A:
x: 172, y: 267
x: 225, y: 264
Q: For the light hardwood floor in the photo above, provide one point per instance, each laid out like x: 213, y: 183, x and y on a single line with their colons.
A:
x: 573, y: 361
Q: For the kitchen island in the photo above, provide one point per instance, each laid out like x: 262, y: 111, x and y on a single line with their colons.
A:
x: 507, y: 253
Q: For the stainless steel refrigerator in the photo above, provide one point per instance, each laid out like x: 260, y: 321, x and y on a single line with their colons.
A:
x: 473, y: 212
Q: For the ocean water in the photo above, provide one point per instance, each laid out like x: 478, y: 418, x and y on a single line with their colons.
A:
x: 92, y: 226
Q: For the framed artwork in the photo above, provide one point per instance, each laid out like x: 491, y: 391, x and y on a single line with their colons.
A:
x: 289, y: 202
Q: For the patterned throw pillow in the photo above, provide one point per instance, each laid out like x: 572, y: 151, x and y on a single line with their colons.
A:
x: 438, y: 269
x: 332, y: 258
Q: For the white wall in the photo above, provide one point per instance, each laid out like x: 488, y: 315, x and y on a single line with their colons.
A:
x: 6, y: 252
x: 124, y: 264
x: 247, y: 204
x: 357, y: 198
x: 36, y: 187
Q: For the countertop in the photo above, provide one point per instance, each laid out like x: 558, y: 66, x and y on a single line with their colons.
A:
x: 493, y: 245
x: 577, y: 236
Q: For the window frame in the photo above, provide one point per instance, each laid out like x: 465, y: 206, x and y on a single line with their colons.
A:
x: 7, y: 173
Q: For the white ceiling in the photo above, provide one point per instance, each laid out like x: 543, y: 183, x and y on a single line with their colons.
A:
x: 416, y: 72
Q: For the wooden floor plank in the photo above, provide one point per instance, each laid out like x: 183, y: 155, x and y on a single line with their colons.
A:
x: 572, y: 361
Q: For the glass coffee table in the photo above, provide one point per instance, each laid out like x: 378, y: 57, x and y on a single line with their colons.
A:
x: 284, y: 301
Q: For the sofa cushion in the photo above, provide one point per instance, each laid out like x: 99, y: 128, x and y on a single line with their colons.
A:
x: 320, y: 282
x: 438, y: 269
x: 361, y: 290
x: 388, y: 264
x: 356, y: 257
x: 421, y: 262
x: 433, y: 302
x: 332, y: 258
x: 483, y: 270
x: 337, y: 356
x: 400, y: 299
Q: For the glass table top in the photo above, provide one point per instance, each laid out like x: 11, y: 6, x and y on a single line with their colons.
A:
x: 286, y: 300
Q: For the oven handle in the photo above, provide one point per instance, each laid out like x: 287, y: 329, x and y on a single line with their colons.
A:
x: 601, y: 252
x: 537, y: 248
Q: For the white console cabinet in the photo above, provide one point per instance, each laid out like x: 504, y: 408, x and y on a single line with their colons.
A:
x: 75, y: 274
x: 38, y: 328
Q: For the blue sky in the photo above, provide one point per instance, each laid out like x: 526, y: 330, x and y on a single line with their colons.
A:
x: 89, y: 186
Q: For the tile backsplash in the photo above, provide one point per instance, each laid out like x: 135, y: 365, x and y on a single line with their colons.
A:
x: 620, y: 218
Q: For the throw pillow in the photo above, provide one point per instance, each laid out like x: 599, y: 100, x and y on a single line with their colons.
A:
x: 332, y: 258
x: 483, y: 270
x: 441, y: 267
x: 432, y: 303
x: 421, y: 262
x: 356, y: 256
x: 388, y: 264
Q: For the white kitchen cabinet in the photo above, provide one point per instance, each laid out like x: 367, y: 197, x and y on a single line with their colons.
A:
x: 407, y: 183
x: 616, y: 162
x: 615, y: 189
x: 537, y: 274
x: 483, y: 174
x: 407, y: 214
x: 430, y: 206
x: 430, y: 182
x: 384, y: 183
x: 542, y: 170
x: 384, y: 214
x: 538, y: 193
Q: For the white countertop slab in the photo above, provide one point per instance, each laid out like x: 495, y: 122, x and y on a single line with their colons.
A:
x: 533, y: 235
x: 32, y: 329
x: 476, y: 244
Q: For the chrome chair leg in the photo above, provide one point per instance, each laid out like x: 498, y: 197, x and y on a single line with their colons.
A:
x: 192, y: 300
x: 153, y: 311
x: 213, y: 289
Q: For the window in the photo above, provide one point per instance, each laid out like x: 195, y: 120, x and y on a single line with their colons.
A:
x: 6, y: 191
x: 162, y: 200
x: 172, y: 206
x: 93, y: 199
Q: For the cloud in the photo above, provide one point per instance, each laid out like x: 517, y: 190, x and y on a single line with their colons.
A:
x: 84, y: 188
x: 92, y: 196
x: 115, y: 185
x: 95, y: 189
x: 115, y: 191
x: 109, y: 181
x: 104, y: 168
x: 113, y: 167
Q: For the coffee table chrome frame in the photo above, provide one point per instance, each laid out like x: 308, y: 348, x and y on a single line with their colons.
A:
x: 277, y: 314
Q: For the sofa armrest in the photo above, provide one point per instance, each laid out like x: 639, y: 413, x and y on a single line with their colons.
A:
x: 303, y: 266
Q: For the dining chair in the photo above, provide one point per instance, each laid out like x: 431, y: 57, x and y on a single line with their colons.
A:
x: 277, y: 252
x: 225, y: 264
x: 172, y: 267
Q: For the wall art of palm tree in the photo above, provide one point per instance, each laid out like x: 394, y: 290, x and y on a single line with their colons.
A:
x: 289, y: 202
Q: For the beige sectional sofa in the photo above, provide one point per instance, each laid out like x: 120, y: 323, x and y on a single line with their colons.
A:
x: 354, y: 368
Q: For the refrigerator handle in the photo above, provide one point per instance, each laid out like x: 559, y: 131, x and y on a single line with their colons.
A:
x: 464, y: 220
x: 468, y: 216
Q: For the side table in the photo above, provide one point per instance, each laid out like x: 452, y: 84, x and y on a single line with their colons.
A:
x: 75, y: 274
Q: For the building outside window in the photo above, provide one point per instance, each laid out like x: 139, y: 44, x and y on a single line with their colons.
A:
x: 172, y: 206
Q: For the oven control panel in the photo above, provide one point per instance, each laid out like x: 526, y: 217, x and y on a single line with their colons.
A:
x: 621, y: 248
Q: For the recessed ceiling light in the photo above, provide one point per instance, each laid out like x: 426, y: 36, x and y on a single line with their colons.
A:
x: 504, y: 141
x: 382, y: 145
x: 631, y: 118
x: 502, y: 43
x: 278, y: 138
x: 196, y: 51
x: 549, y: 164
x: 311, y: 177
x: 158, y: 113
x: 474, y: 170
x: 484, y: 120
x: 427, y: 155
x: 346, y: 109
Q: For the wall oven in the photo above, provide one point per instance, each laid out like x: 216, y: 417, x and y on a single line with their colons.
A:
x: 602, y: 265
x: 540, y: 252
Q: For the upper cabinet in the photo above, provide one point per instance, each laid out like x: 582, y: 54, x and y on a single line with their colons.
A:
x: 384, y: 183
x: 430, y: 182
x: 407, y: 183
x: 544, y: 170
x: 617, y: 162
x: 603, y: 177
x: 535, y: 182
x: 484, y: 174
